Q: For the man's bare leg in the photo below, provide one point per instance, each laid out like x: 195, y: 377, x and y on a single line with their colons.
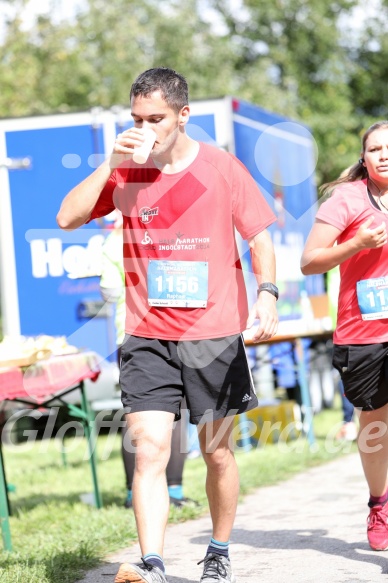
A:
x: 151, y: 436
x: 222, y: 480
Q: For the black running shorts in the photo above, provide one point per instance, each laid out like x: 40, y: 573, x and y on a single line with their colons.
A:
x: 213, y: 375
x: 364, y: 373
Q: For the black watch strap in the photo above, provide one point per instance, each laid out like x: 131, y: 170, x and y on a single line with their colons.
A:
x: 269, y: 287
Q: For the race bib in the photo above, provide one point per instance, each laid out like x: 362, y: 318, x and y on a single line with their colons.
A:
x: 177, y: 284
x: 372, y: 296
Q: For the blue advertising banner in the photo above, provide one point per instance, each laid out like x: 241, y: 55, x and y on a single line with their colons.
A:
x: 280, y: 154
x: 57, y: 272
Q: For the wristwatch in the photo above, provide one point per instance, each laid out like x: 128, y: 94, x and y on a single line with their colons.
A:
x: 269, y: 287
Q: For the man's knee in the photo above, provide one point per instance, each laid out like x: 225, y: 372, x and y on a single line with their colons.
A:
x: 149, y: 436
x: 219, y: 459
x: 151, y: 458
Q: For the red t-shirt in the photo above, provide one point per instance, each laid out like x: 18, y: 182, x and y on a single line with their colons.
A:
x: 187, y: 216
x: 347, y: 209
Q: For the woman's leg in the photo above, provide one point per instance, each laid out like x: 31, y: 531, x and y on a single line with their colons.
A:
x: 373, y: 448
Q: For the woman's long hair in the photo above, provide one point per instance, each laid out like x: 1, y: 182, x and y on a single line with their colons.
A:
x: 357, y: 171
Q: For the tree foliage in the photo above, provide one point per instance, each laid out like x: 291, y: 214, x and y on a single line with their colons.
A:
x: 322, y: 74
x: 301, y: 58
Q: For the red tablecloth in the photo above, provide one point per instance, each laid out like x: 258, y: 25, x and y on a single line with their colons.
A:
x: 48, y: 377
x: 11, y: 379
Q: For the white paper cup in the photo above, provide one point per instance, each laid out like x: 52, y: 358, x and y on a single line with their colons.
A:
x: 141, y: 154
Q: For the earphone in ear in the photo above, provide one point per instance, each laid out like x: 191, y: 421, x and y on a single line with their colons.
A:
x: 361, y: 161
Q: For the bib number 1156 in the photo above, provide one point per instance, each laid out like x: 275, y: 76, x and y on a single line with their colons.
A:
x: 179, y: 284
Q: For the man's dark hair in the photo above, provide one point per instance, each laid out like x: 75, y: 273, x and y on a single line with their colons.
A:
x: 171, y: 85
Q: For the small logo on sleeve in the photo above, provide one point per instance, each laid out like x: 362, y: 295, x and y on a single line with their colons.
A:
x: 146, y: 214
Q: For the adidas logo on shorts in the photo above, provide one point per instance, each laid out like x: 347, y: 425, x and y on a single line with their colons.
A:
x: 246, y: 398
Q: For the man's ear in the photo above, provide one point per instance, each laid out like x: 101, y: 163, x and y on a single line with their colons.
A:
x: 184, y: 115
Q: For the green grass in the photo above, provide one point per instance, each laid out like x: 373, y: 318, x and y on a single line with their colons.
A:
x: 56, y: 537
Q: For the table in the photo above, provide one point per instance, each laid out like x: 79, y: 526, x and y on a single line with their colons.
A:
x: 316, y: 335
x: 44, y: 384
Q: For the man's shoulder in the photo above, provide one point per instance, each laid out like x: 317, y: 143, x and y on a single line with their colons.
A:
x: 217, y: 155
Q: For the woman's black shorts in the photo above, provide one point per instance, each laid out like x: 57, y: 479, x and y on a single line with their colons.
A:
x: 364, y: 373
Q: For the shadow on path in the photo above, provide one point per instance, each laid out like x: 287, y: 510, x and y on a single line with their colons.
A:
x: 302, y: 539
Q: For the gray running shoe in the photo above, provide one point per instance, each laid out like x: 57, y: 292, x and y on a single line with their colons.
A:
x: 140, y: 573
x: 217, y: 569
